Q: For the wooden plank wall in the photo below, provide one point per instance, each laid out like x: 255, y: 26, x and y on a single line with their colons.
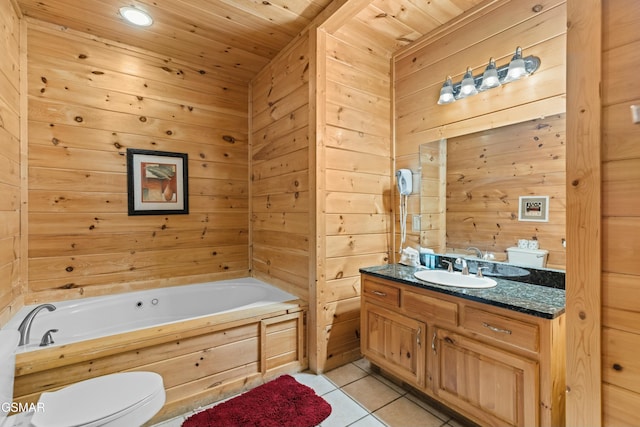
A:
x: 356, y: 163
x: 90, y: 100
x: 488, y: 171
x: 10, y: 161
x: 539, y: 27
x: 279, y: 187
x: 620, y: 213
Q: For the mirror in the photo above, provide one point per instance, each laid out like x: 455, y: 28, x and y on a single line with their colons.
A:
x: 472, y: 185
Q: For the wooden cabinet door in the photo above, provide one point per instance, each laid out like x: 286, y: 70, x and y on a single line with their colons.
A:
x: 395, y: 342
x: 495, y: 386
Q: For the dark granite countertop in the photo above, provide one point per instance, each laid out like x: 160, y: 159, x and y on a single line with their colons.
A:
x: 536, y: 300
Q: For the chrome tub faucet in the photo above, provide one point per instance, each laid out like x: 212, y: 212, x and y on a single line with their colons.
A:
x: 25, y: 325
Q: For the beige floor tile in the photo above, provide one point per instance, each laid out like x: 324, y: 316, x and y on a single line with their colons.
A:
x: 428, y: 407
x: 363, y: 364
x: 370, y: 393
x: 345, y: 374
x: 344, y: 410
x: 405, y: 413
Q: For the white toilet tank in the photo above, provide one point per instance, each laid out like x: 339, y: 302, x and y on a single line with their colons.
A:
x: 528, y: 257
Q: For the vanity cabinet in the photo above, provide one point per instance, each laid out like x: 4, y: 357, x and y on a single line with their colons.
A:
x: 390, y: 338
x: 496, y: 366
x: 395, y: 341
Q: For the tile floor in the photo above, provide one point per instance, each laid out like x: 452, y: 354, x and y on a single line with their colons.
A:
x: 362, y: 398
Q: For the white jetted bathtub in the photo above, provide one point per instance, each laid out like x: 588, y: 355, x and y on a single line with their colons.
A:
x: 207, y: 341
x: 89, y: 318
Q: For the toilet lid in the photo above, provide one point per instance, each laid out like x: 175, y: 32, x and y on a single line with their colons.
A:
x: 95, y: 399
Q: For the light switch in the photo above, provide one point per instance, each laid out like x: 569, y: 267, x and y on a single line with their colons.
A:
x: 635, y: 114
x: 415, y: 226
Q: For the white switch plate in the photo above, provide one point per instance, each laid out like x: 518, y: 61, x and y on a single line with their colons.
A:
x: 635, y: 113
x: 415, y: 225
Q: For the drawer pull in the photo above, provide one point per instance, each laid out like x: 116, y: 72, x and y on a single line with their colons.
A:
x: 418, y: 342
x: 498, y: 330
x: 380, y: 294
x: 433, y: 343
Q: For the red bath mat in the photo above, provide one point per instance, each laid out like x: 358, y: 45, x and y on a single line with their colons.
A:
x: 283, y: 402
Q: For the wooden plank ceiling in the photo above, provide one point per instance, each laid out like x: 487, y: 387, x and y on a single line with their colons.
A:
x: 239, y: 37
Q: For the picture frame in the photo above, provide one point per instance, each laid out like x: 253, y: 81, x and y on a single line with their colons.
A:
x: 157, y: 182
x: 533, y: 208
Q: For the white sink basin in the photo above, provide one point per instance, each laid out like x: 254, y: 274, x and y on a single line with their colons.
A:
x: 443, y: 277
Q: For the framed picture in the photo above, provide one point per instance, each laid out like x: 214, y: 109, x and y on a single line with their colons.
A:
x: 157, y: 182
x: 533, y: 208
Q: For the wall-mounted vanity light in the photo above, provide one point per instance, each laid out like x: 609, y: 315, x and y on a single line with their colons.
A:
x: 136, y: 16
x: 492, y: 77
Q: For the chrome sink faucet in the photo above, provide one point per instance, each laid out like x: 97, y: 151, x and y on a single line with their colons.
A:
x: 25, y: 325
x: 465, y: 267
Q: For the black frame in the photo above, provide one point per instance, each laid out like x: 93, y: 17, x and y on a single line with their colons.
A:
x: 135, y: 190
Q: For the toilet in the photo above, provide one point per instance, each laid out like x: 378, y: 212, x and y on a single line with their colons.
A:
x: 527, y: 257
x: 126, y: 399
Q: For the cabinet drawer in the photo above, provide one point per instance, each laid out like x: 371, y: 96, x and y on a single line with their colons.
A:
x: 510, y: 331
x: 421, y: 306
x: 381, y: 293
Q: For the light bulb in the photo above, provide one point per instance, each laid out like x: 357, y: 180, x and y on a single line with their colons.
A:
x: 490, y: 77
x: 446, y: 93
x: 516, y: 67
x: 136, y: 16
x: 468, y: 85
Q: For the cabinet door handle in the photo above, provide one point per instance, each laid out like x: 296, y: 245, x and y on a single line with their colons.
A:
x: 494, y: 329
x: 433, y: 342
x: 418, y: 337
x: 380, y: 294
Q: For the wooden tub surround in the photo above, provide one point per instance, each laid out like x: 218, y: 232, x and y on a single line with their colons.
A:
x: 497, y: 365
x: 200, y: 360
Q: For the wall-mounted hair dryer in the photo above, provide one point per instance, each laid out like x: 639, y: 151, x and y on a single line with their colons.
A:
x: 405, y: 187
x: 405, y: 181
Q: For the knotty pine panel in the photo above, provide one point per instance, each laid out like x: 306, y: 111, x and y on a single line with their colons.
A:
x: 355, y: 164
x: 279, y: 170
x: 10, y: 47
x: 295, y: 140
x: 88, y: 102
x: 621, y: 366
x: 291, y: 202
x: 282, y: 77
x: 620, y: 135
x: 209, y: 236
x: 348, y: 266
x: 287, y: 163
x: 341, y: 49
x: 620, y: 215
x: 101, y: 66
x: 275, y: 265
x: 353, y: 223
x: 223, y: 145
x: 619, y: 406
x: 617, y: 70
x: 279, y: 129
x: 352, y: 140
x: 11, y: 147
x: 342, y: 289
x: 620, y: 190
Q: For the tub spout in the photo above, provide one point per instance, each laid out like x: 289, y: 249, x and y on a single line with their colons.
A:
x: 25, y: 325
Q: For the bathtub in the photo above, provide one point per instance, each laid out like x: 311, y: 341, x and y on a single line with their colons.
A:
x: 89, y: 318
x: 208, y: 341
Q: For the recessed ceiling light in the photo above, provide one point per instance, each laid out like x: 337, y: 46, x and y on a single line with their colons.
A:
x: 136, y: 16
